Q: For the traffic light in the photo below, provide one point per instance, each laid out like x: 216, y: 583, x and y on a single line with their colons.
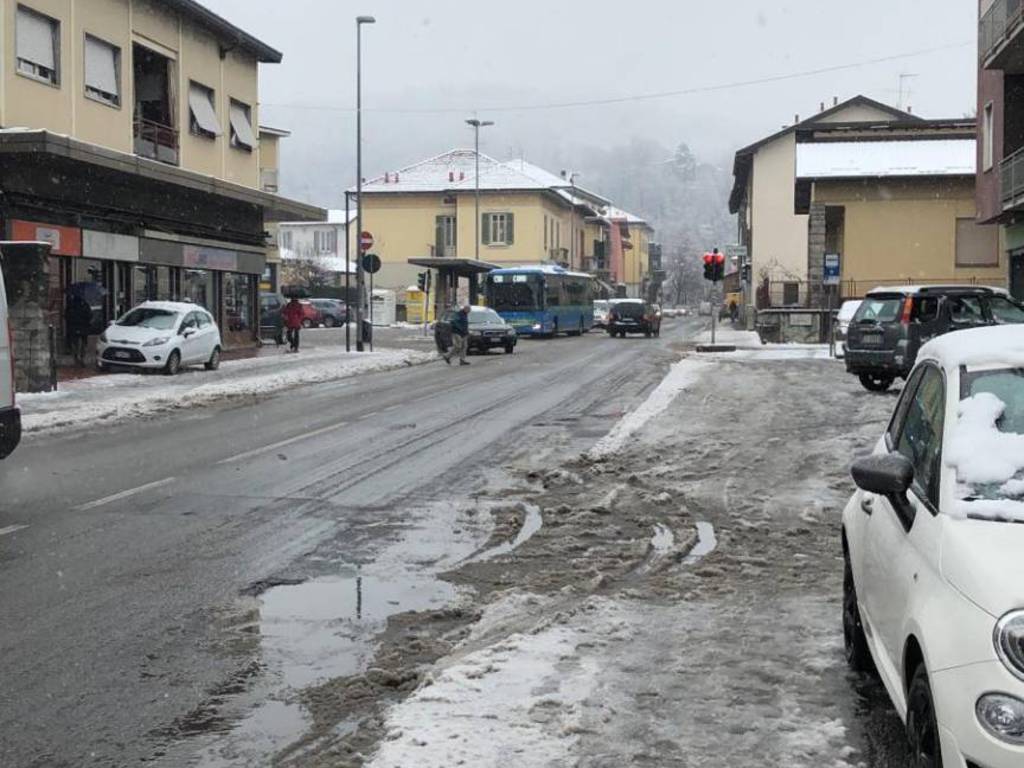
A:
x: 421, y: 280
x: 719, y: 271
x: 746, y: 273
x: 709, y: 266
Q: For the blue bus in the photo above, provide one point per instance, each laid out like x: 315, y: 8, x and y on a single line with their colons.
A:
x: 542, y: 300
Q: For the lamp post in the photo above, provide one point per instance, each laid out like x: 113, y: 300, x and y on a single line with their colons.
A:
x: 477, y: 125
x: 360, y: 276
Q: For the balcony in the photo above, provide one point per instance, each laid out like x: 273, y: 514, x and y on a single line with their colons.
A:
x: 156, y: 141
x: 1011, y: 172
x: 997, y: 33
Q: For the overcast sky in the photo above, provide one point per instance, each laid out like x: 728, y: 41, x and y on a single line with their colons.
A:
x: 458, y: 55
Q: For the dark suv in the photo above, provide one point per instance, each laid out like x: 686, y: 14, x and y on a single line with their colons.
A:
x: 891, y: 324
x: 633, y: 316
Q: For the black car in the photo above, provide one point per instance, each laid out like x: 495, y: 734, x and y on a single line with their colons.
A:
x: 633, y: 316
x: 487, y: 329
x: 891, y: 324
x: 332, y: 311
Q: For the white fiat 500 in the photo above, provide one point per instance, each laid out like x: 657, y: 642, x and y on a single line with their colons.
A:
x: 934, y: 546
x: 161, y: 334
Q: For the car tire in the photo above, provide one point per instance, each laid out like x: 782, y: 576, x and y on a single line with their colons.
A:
x: 214, y: 362
x: 510, y: 348
x: 329, y: 322
x: 922, y: 725
x: 173, y: 364
x: 874, y: 382
x: 307, y: 323
x: 855, y: 643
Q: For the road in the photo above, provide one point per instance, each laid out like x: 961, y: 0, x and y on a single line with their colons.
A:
x: 124, y: 551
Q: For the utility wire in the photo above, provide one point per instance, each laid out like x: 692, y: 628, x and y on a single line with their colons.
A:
x: 633, y: 97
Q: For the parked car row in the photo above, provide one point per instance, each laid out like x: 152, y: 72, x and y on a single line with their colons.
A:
x: 316, y: 312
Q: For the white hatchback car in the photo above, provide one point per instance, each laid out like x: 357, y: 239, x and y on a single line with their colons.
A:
x: 163, y: 335
x: 933, y: 541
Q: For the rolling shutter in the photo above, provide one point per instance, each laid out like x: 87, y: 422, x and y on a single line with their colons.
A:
x: 35, y: 39
x: 242, y: 126
x: 101, y: 66
x: 200, y: 102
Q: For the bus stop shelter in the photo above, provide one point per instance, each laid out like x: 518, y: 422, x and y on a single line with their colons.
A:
x: 449, y: 272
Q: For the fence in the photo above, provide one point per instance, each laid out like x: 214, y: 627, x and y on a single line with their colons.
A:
x: 796, y: 293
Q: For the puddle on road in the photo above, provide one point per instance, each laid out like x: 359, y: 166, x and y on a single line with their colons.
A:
x: 531, y: 524
x: 706, y: 543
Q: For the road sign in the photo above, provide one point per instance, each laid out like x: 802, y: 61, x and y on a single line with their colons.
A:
x: 831, y: 273
x: 371, y: 263
x: 365, y: 241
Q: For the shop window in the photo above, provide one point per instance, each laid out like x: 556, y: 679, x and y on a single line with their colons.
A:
x: 102, y: 71
x: 197, y: 287
x: 238, y: 307
x: 242, y: 136
x: 202, y: 112
x: 88, y: 281
x: 37, y: 43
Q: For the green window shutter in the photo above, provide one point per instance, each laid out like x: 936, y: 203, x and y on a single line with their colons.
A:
x: 510, y: 228
x: 485, y: 228
x: 439, y: 236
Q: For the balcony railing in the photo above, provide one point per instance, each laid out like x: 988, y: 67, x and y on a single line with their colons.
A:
x: 156, y: 141
x: 1001, y: 18
x: 1011, y: 172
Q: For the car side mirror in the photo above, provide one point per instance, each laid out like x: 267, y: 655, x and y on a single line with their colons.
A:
x: 885, y: 475
x: 186, y: 332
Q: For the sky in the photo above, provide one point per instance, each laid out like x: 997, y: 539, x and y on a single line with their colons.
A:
x: 430, y: 64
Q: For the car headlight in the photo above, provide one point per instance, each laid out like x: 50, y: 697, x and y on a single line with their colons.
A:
x: 103, y: 337
x: 159, y: 341
x: 536, y: 326
x: 510, y: 331
x: 1009, y: 641
x: 1002, y: 716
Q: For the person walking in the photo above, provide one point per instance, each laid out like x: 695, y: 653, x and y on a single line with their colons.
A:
x: 460, y: 337
x: 79, y: 326
x: 292, y: 315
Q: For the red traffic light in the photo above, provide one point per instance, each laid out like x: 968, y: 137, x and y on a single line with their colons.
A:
x: 708, y: 258
x: 720, y: 258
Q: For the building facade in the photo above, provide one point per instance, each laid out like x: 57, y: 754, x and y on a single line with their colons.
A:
x: 128, y: 141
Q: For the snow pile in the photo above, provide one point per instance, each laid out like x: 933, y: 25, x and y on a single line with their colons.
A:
x: 982, y: 454
x: 781, y: 352
x: 680, y: 376
x: 118, y: 397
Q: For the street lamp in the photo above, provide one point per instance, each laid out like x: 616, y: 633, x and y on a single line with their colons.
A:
x: 477, y: 125
x: 360, y: 277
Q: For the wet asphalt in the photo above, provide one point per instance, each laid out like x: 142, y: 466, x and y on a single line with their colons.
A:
x: 123, y: 544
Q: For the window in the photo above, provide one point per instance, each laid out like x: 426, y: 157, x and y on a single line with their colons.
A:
x: 552, y: 291
x: 445, y: 236
x: 325, y: 240
x: 286, y: 239
x: 965, y: 310
x: 37, y: 40
x: 987, y: 138
x: 191, y: 321
x: 977, y: 245
x: 1005, y: 311
x: 498, y: 229
x: 102, y: 71
x: 925, y: 309
x: 242, y: 136
x: 790, y: 294
x: 920, y: 438
x: 900, y: 414
x: 202, y: 110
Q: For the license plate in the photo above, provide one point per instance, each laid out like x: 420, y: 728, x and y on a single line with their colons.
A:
x: 871, y: 340
x: 122, y: 355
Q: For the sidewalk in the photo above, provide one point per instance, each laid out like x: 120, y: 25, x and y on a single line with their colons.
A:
x: 748, y: 345
x: 116, y: 397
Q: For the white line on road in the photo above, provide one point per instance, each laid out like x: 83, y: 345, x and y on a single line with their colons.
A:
x: 282, y: 443
x: 12, y: 529
x: 124, y: 494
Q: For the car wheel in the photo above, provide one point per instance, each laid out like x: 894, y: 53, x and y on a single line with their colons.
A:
x: 510, y: 348
x: 922, y: 726
x: 858, y: 657
x: 307, y: 323
x: 874, y: 382
x: 329, y: 322
x: 214, y: 362
x: 173, y: 363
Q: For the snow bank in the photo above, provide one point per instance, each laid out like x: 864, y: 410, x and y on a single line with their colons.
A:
x: 117, y: 397
x: 981, y: 454
x: 680, y: 376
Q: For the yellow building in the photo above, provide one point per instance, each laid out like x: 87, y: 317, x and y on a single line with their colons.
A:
x: 634, y: 272
x: 893, y: 206
x: 129, y: 139
x: 527, y: 216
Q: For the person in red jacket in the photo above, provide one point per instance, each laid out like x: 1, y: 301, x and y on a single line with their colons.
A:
x: 292, y: 315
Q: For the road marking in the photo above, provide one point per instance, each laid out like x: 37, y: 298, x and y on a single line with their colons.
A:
x: 368, y: 415
x: 282, y: 443
x: 12, y: 529
x: 124, y: 494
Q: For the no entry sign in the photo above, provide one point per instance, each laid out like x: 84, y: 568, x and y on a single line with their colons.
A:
x: 365, y: 241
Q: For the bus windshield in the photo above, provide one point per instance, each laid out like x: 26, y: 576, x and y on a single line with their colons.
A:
x: 514, y: 293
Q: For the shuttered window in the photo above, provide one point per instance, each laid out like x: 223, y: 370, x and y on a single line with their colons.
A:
x: 37, y: 40
x: 102, y: 71
x: 498, y: 229
x: 977, y: 245
x: 203, y: 115
x: 242, y: 135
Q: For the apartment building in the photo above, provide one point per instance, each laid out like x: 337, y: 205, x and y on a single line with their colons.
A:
x: 130, y: 140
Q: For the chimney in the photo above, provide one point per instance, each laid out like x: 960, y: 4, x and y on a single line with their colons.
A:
x: 835, y: 101
x: 910, y: 110
x: 396, y: 177
x: 462, y: 175
x: 822, y: 108
x: 563, y: 174
x: 796, y: 119
x: 451, y: 175
x: 387, y: 177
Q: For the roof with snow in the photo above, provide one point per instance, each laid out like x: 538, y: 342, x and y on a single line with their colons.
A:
x: 873, y: 159
x: 617, y: 214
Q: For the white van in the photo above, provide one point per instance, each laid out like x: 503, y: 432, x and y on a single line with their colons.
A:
x: 10, y: 417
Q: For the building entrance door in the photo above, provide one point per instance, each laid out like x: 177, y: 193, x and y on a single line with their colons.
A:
x: 1017, y: 274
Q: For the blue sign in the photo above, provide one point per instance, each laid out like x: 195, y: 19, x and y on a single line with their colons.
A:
x: 831, y: 273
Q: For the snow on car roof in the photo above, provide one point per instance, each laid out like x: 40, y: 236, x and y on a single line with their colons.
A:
x: 998, y: 344
x: 909, y: 289
x: 171, y: 306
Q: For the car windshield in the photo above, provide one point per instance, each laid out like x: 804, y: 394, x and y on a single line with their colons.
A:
x: 879, y: 310
x: 1005, y: 311
x: 514, y: 293
x: 987, y: 445
x: 484, y: 316
x: 149, y: 317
